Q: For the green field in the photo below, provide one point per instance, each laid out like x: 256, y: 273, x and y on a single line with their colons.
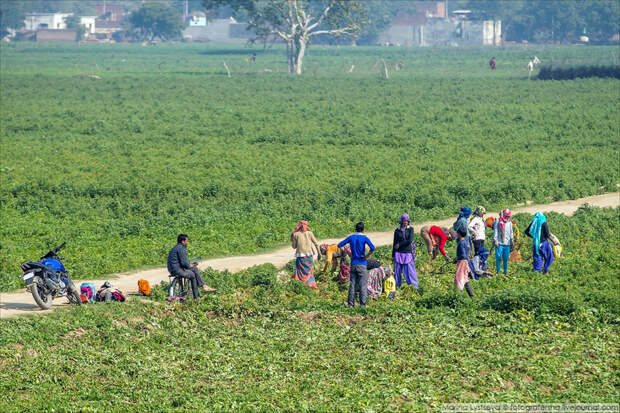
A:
x: 259, y: 345
x: 164, y: 143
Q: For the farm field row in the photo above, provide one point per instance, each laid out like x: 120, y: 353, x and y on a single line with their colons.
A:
x: 118, y: 166
x: 258, y: 344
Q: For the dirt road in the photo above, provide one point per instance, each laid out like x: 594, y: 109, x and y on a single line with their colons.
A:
x: 21, y: 302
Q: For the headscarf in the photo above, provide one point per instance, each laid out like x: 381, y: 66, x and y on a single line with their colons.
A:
x: 323, y: 249
x: 404, y: 218
x: 302, y: 226
x: 449, y: 233
x: 535, y: 229
x: 480, y: 210
x: 465, y: 213
x: 504, y: 217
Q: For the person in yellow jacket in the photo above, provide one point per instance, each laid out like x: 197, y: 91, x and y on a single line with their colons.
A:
x: 389, y: 286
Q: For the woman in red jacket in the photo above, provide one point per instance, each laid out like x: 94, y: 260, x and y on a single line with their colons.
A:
x: 435, y: 239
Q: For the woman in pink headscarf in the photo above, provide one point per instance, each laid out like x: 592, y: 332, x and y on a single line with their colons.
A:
x: 503, y: 236
x: 302, y: 239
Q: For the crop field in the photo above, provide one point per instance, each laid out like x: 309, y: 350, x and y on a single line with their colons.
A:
x: 163, y: 142
x: 261, y: 345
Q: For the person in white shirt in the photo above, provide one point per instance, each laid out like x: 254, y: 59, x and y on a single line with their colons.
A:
x: 477, y: 227
x: 503, y: 236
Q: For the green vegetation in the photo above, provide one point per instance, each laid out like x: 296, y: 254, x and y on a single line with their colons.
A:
x: 568, y: 73
x: 164, y: 143
x: 261, y: 345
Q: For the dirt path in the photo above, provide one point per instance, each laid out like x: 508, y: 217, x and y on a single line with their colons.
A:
x: 21, y: 302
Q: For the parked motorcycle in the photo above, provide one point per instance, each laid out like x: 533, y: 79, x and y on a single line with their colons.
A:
x: 47, y: 279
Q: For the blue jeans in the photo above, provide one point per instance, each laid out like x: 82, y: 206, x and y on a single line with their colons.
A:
x: 502, y: 253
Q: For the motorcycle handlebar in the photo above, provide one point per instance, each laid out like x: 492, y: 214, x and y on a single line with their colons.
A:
x: 61, y: 246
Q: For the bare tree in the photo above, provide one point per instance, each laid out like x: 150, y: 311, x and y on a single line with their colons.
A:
x: 297, y: 21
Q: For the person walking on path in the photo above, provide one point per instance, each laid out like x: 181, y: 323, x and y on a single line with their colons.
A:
x: 179, y: 266
x: 538, y: 230
x: 462, y: 222
x: 503, y: 237
x: 359, y: 271
x: 461, y: 277
x: 404, y: 254
x: 435, y: 239
x: 492, y: 63
x: 477, y: 228
x: 302, y: 239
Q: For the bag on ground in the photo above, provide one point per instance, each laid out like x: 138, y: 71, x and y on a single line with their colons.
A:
x: 144, y: 287
x: 88, y: 289
x: 108, y: 293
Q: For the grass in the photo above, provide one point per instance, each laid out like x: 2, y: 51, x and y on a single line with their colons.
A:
x: 165, y: 144
x: 261, y: 345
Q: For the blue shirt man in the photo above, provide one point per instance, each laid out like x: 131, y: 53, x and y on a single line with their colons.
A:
x: 359, y: 272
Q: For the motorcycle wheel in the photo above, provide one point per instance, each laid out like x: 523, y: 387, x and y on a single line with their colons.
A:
x: 44, y: 301
x: 72, y: 294
x: 74, y: 298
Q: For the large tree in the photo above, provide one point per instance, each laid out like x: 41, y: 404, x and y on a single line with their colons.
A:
x: 297, y: 21
x: 156, y: 20
x: 12, y: 16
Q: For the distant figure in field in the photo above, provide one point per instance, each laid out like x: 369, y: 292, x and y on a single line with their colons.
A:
x: 477, y: 228
x: 253, y: 58
x: 492, y: 63
x: 178, y: 265
x: 461, y: 277
x: 302, y: 239
x: 463, y: 222
x: 359, y: 271
x: 333, y: 255
x: 538, y: 230
x: 503, y: 236
x: 403, y: 253
x: 435, y: 239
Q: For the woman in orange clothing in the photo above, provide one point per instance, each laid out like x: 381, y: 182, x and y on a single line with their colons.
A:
x: 332, y: 254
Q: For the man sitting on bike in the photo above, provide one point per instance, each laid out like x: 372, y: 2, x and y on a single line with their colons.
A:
x: 179, y: 266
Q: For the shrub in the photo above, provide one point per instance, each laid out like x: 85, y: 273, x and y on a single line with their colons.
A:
x: 567, y: 73
x: 539, y: 302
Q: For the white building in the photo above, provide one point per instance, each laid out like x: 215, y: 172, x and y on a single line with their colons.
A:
x: 89, y: 23
x: 36, y: 21
x: 56, y: 21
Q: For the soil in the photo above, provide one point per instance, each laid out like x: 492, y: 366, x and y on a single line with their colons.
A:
x: 21, y: 302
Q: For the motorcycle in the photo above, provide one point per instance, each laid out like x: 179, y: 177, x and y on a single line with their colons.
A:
x: 47, y: 279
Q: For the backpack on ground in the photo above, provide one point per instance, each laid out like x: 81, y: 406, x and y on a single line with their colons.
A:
x: 144, y: 287
x: 107, y: 293
x: 88, y: 289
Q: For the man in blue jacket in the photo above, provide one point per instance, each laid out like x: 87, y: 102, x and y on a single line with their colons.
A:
x: 178, y: 265
x: 359, y: 272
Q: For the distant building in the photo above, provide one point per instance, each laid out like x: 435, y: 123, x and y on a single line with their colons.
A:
x: 90, y: 23
x: 197, y: 18
x: 109, y: 18
x: 55, y: 21
x: 36, y: 21
x: 218, y: 31
x: 433, y: 9
x: 420, y: 30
